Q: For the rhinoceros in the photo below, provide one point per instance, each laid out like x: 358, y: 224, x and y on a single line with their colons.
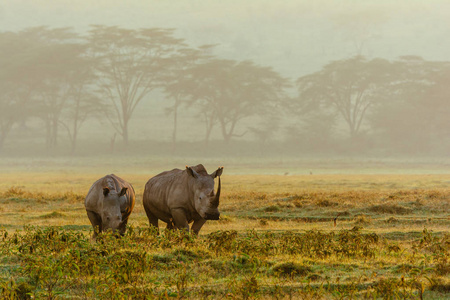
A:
x: 109, y: 203
x: 179, y: 197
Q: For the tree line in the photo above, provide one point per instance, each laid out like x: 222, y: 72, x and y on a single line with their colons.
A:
x: 62, y: 78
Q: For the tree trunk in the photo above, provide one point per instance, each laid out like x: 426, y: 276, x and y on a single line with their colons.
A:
x: 48, y: 134
x: 74, y: 140
x: 75, y: 126
x: 125, y: 132
x: 209, y: 127
x: 125, y: 118
x: 55, y: 132
x: 227, y: 135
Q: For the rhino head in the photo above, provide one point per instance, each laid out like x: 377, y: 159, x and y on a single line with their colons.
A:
x: 110, y: 213
x: 206, y: 202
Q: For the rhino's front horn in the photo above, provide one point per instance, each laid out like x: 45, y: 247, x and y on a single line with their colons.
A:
x: 216, y: 199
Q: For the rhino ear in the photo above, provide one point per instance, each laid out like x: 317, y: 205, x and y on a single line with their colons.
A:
x: 217, y: 172
x: 123, y: 191
x: 191, y: 172
x: 105, y: 191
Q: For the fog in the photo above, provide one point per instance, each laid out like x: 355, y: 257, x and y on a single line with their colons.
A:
x: 225, y: 79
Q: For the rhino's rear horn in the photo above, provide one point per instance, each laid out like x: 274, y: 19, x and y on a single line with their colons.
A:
x: 191, y: 172
x: 216, y: 199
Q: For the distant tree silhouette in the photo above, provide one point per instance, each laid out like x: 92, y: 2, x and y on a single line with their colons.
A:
x: 129, y: 65
x: 348, y: 87
x: 227, y: 91
x: 59, y: 61
x: 16, y: 81
x: 82, y: 101
x: 40, y: 72
x: 177, y: 87
x: 414, y: 118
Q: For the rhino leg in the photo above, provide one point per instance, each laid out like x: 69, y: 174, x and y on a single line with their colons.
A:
x: 197, y: 225
x: 153, y: 220
x: 96, y: 222
x: 170, y: 225
x: 179, y: 219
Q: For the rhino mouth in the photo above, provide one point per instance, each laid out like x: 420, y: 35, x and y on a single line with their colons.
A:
x: 212, y: 216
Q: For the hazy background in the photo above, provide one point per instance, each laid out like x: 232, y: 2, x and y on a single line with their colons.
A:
x: 294, y: 37
x: 396, y: 53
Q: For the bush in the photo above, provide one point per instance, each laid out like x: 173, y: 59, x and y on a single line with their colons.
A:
x: 291, y: 269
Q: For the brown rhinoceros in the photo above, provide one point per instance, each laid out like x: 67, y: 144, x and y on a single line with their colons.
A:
x: 109, y: 203
x: 179, y: 197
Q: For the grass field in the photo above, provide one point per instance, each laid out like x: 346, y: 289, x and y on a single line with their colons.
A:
x: 320, y: 236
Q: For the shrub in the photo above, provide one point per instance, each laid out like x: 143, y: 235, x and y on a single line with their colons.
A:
x: 291, y: 269
x: 390, y: 209
x: 272, y: 208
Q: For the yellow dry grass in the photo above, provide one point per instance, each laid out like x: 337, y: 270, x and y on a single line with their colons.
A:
x: 396, y: 208
x: 29, y: 198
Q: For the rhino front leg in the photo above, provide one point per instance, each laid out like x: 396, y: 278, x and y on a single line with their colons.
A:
x: 179, y: 219
x: 198, y: 224
x: 96, y: 222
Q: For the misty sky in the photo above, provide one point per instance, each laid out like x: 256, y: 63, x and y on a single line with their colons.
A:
x: 295, y: 37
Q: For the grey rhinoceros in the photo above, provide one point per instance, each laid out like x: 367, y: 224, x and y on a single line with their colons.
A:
x: 109, y: 203
x: 179, y: 197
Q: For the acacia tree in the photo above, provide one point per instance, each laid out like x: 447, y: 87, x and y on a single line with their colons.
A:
x: 226, y: 92
x: 35, y: 63
x: 349, y: 87
x: 129, y: 65
x: 82, y: 101
x: 14, y: 98
x: 415, y: 116
x: 177, y: 87
x: 58, y: 57
x: 15, y: 84
x: 255, y: 90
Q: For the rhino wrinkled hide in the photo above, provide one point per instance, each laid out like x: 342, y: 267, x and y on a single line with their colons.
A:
x: 109, y: 203
x: 179, y: 197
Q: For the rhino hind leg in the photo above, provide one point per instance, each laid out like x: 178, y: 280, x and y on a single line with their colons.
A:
x: 96, y: 222
x: 152, y: 219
